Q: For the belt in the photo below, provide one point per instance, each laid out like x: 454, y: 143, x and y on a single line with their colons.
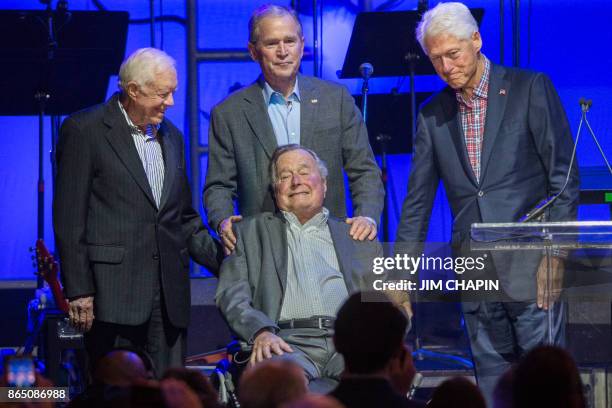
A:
x: 321, y: 322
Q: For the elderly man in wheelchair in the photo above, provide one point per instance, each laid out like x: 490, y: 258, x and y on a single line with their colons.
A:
x: 291, y: 271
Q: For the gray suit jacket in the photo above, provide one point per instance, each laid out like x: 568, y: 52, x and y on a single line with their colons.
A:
x: 253, y: 279
x: 525, y: 157
x: 113, y: 241
x: 241, y: 142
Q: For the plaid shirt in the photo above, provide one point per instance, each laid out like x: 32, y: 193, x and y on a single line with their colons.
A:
x: 473, y: 113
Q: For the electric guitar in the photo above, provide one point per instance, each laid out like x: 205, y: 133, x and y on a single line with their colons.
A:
x: 47, y: 267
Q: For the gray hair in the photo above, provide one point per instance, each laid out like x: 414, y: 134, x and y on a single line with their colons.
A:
x: 143, y: 65
x: 446, y: 18
x: 289, y: 148
x: 269, y: 10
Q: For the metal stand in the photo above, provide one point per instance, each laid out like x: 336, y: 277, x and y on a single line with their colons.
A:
x: 412, y: 58
x: 516, y: 34
x: 382, y: 140
x: 315, y: 38
x: 41, y: 98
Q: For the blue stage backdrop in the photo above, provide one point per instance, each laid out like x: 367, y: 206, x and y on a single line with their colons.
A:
x: 568, y: 39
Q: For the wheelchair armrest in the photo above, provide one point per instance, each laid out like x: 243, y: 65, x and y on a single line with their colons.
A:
x: 240, y: 351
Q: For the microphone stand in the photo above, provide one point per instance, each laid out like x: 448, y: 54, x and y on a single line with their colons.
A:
x: 586, y: 105
x: 42, y: 97
x: 547, y: 202
x: 366, y: 71
x: 412, y: 58
x: 382, y: 139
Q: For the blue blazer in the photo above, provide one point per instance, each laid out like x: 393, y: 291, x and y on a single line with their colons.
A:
x: 526, y: 155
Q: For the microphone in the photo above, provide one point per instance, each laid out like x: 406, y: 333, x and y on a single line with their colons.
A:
x: 366, y: 70
x: 585, y: 104
x: 538, y: 210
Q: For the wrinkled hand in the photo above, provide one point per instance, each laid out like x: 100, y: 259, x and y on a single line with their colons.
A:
x: 267, y: 343
x: 228, y: 239
x: 361, y: 228
x: 406, y: 308
x: 81, y: 313
x: 402, y: 371
x: 401, y: 300
x: 545, y: 300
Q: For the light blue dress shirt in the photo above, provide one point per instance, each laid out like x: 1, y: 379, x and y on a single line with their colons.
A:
x: 284, y: 114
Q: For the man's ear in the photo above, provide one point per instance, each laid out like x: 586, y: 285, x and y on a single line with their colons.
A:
x: 324, y: 187
x: 132, y: 89
x: 302, y: 48
x: 253, y: 51
x: 273, y: 188
x: 477, y: 40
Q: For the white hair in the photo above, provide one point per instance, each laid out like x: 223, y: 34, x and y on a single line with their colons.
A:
x: 143, y: 65
x: 446, y: 18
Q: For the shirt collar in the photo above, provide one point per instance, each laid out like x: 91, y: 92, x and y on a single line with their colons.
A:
x: 481, y: 91
x: 271, y: 96
x: 317, y: 221
x: 131, y: 124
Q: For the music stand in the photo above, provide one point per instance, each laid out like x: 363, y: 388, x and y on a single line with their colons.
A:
x: 75, y: 73
x: 387, y: 116
x: 55, y: 63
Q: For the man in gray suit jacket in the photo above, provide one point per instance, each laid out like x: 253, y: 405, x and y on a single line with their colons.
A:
x: 499, y: 140
x: 123, y: 219
x: 291, y: 270
x: 282, y: 107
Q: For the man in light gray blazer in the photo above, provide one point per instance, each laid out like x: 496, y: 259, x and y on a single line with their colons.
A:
x: 280, y: 108
x: 292, y: 270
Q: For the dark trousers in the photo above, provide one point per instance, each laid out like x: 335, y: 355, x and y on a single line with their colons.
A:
x: 163, y: 342
x: 501, y: 332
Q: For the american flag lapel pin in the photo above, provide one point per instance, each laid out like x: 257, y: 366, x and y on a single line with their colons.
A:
x: 502, y: 91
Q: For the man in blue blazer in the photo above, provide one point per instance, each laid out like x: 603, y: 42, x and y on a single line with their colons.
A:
x: 499, y: 140
x: 281, y: 108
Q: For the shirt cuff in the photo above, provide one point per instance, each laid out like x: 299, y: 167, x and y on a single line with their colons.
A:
x: 371, y: 220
